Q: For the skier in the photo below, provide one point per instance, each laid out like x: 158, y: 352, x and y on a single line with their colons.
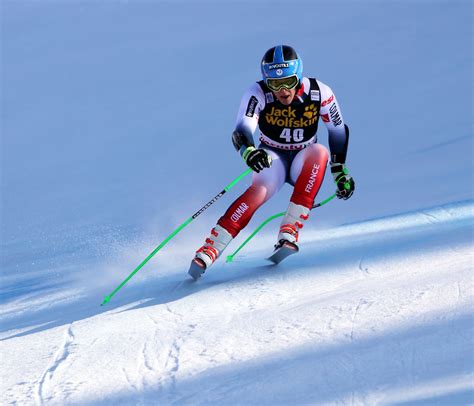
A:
x: 286, y: 106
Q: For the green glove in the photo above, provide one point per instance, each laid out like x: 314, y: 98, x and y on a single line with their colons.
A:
x: 344, y: 182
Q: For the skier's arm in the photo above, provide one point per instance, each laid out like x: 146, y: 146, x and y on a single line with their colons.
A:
x: 242, y: 139
x: 338, y: 134
x: 247, y: 118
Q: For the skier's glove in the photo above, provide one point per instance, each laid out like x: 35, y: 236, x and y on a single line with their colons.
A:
x: 344, y: 182
x: 257, y: 159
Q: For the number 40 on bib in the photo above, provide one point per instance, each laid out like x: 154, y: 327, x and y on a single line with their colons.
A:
x: 296, y: 135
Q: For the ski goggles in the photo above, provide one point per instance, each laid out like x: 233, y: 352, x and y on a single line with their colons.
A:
x: 288, y: 83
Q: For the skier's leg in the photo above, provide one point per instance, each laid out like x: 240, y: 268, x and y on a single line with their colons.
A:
x: 264, y: 185
x: 307, y: 173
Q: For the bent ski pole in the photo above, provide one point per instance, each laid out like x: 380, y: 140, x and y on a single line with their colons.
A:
x: 167, y: 239
x: 230, y: 257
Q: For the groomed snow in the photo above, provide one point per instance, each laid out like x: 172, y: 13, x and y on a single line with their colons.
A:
x: 374, y: 312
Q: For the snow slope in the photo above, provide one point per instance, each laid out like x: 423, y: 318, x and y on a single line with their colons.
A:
x: 115, y: 127
x: 368, y: 313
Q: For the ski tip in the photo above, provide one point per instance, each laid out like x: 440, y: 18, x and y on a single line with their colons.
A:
x: 283, y: 250
x: 197, y: 268
x: 272, y: 260
x: 193, y: 278
x: 230, y: 258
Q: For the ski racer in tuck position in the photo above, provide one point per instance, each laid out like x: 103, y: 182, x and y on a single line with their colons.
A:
x: 286, y: 107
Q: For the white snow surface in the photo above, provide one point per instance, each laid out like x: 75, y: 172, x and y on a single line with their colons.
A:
x: 378, y: 312
x: 115, y: 128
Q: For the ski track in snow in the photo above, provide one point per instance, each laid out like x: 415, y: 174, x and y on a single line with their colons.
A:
x: 430, y: 217
x: 172, y: 361
x: 364, y: 270
x: 44, y: 388
x: 152, y: 370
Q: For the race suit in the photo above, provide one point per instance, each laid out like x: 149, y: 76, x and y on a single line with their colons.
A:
x: 289, y: 135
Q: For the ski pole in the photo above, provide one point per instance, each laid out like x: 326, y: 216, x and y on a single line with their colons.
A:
x: 230, y: 257
x: 167, y: 239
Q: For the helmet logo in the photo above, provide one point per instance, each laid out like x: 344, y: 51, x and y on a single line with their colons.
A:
x: 278, y: 65
x: 279, y: 72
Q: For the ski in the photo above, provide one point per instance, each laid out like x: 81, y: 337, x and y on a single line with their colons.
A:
x: 197, y: 268
x: 282, y: 250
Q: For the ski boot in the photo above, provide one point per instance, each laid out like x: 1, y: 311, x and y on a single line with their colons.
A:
x: 292, y: 222
x: 209, y: 252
